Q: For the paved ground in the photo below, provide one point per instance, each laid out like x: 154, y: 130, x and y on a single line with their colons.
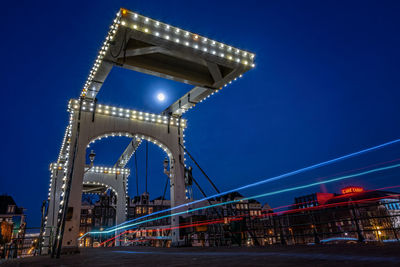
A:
x: 333, y: 255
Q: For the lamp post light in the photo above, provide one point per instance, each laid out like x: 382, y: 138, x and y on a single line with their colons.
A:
x: 167, y: 172
x: 92, y: 155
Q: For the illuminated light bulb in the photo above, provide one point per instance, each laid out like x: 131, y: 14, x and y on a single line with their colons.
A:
x: 186, y: 34
x: 196, y: 46
x: 222, y: 54
x: 146, y: 30
x: 187, y: 43
x: 213, y: 52
x: 157, y: 23
x: 177, y: 31
x: 177, y: 40
x: 135, y: 16
x: 135, y: 26
x: 167, y: 37
x: 205, y: 49
x: 146, y: 20
x: 245, y: 62
x: 167, y: 27
x: 196, y: 37
x: 123, y: 23
x: 157, y: 33
x: 253, y: 65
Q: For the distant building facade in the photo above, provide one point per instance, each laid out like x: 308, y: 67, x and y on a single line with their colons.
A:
x: 13, y: 225
x: 96, y: 217
x: 236, y: 223
x: 355, y: 215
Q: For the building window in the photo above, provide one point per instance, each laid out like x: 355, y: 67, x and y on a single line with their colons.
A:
x: 150, y: 210
x: 89, y: 220
x: 10, y: 209
x: 87, y: 242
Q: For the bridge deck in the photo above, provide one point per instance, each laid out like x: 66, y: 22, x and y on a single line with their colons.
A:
x: 333, y: 255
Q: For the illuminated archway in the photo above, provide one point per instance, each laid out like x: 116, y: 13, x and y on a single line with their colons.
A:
x: 88, y: 124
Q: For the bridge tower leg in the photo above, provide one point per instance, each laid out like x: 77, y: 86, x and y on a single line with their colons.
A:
x: 57, y: 174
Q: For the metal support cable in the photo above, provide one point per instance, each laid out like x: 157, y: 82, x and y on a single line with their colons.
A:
x: 137, y: 178
x: 147, y: 159
x: 195, y: 162
x: 216, y: 210
x: 165, y: 190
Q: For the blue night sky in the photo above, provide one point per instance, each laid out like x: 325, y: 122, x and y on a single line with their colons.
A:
x: 326, y: 83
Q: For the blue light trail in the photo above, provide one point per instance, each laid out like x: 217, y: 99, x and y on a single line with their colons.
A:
x: 247, y: 198
x: 268, y: 180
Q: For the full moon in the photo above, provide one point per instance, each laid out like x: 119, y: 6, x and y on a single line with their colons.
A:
x: 161, y: 97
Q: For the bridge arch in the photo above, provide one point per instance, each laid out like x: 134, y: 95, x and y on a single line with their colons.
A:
x: 88, y: 126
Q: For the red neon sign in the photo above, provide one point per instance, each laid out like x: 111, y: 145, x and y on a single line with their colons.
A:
x: 352, y: 189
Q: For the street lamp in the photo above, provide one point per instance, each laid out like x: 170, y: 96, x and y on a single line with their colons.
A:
x: 166, y: 166
x: 92, y: 155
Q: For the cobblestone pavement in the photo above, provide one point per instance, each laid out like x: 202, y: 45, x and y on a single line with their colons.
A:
x: 333, y: 255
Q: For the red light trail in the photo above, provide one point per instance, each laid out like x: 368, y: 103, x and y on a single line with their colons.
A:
x: 240, y: 217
